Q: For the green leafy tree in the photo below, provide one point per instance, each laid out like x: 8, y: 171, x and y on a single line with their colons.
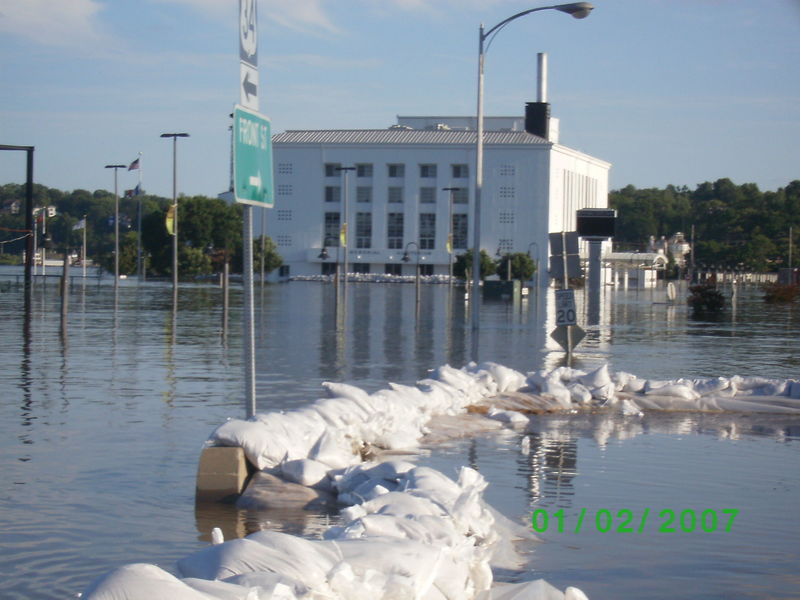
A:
x: 522, y: 266
x: 464, y: 262
x: 271, y: 258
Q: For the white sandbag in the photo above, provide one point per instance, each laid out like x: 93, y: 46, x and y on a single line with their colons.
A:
x: 430, y: 483
x: 507, y: 379
x: 605, y: 392
x: 676, y: 390
x: 307, y: 472
x: 140, y: 581
x: 509, y: 417
x: 580, y: 394
x: 223, y: 590
x: 558, y: 392
x: 330, y: 449
x: 368, y: 490
x: 271, y: 585
x: 711, y: 385
x: 597, y: 378
x: 398, y: 504
x: 529, y: 590
x: 253, y: 437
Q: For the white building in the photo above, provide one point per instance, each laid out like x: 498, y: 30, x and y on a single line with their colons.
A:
x: 396, y: 197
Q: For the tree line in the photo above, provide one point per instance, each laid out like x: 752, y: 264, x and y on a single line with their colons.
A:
x: 209, y: 230
x: 735, y: 226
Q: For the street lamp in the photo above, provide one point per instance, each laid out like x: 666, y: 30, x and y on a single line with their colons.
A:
x: 579, y: 10
x: 344, y: 171
x: 535, y: 262
x: 174, y: 137
x: 407, y: 258
x: 452, y: 191
x: 116, y: 222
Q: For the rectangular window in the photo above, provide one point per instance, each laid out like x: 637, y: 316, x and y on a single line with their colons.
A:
x: 426, y: 269
x: 506, y: 170
x: 284, y: 240
x: 506, y: 192
x: 393, y: 269
x: 331, y: 233
x: 333, y: 193
x: 364, y: 230
x: 461, y: 196
x: 506, y: 217
x: 427, y: 231
x: 505, y: 245
x: 284, y: 271
x: 460, y: 171
x: 364, y: 193
x: 394, y: 231
x: 331, y: 169
x: 364, y: 170
x: 283, y: 215
x: 285, y: 168
x: 395, y: 194
x: 361, y: 267
x: 427, y: 195
x: 460, y: 225
x: 283, y: 189
x: 396, y: 170
x: 427, y: 171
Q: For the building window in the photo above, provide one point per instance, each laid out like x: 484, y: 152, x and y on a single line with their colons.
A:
x: 364, y: 230
x: 284, y: 240
x: 364, y: 193
x: 284, y: 271
x: 396, y: 170
x: 461, y: 196
x: 506, y: 192
x: 333, y: 193
x: 283, y: 215
x: 283, y: 189
x: 364, y: 170
x: 285, y: 168
x: 506, y: 170
x: 427, y: 231
x: 394, y: 231
x: 426, y: 269
x: 427, y: 171
x: 332, y: 226
x: 427, y: 195
x: 460, y: 225
x: 332, y: 169
x: 504, y: 246
x: 361, y: 267
x: 506, y: 217
x: 328, y: 268
x: 393, y: 269
x: 395, y: 194
x: 460, y: 171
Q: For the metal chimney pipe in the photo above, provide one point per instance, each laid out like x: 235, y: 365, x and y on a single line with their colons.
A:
x: 541, y: 79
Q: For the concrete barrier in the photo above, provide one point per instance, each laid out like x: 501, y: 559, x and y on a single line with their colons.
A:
x: 222, y: 473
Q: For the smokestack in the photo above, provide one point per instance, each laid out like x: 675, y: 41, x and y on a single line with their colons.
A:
x: 541, y: 79
x: 537, y: 114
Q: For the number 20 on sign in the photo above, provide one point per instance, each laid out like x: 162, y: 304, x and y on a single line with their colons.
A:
x: 565, y: 307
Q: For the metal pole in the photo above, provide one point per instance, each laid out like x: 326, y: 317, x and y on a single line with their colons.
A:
x: 116, y: 222
x: 83, y: 258
x: 249, y: 313
x: 29, y: 224
x: 344, y: 171
x: 175, y: 219
x: 476, y: 217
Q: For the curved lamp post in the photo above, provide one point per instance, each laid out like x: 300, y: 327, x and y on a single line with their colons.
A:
x: 407, y: 258
x: 579, y: 10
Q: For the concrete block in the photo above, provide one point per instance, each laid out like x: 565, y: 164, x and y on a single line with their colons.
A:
x: 221, y: 473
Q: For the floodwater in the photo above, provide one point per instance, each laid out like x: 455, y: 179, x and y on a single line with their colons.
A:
x: 102, y: 422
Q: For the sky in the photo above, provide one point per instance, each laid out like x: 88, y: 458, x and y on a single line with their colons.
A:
x: 669, y: 91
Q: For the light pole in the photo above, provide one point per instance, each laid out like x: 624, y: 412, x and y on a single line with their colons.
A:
x: 407, y: 258
x: 535, y: 262
x: 579, y: 10
x: 344, y: 171
x: 116, y: 222
x: 174, y: 137
x: 452, y: 191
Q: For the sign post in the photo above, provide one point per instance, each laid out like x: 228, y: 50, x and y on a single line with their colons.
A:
x: 252, y: 174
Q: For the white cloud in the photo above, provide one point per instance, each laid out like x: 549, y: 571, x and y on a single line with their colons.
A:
x: 72, y: 23
x: 301, y: 15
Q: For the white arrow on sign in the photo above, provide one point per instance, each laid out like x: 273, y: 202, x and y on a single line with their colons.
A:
x: 255, y: 180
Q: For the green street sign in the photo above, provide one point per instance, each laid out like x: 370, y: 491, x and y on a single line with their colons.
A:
x: 252, y: 158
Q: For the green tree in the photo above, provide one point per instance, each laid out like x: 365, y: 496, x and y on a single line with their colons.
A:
x: 522, y: 266
x: 272, y: 259
x: 464, y: 262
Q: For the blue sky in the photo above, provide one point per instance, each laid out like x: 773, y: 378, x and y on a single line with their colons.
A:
x: 668, y: 91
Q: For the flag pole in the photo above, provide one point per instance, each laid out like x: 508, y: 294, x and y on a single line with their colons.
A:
x: 139, y: 271
x: 83, y: 258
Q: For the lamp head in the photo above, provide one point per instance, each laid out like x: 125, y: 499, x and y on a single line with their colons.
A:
x: 323, y: 253
x: 405, y: 258
x: 579, y: 10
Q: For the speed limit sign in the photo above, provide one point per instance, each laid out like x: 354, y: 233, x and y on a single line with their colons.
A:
x: 565, y: 308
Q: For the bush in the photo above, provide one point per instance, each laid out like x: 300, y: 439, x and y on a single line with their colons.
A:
x: 780, y: 292
x: 706, y: 298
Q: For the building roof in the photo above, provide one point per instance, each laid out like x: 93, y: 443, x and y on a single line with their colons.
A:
x: 654, y: 260
x: 400, y: 136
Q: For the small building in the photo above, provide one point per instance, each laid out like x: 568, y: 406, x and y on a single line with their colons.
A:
x: 633, y: 269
